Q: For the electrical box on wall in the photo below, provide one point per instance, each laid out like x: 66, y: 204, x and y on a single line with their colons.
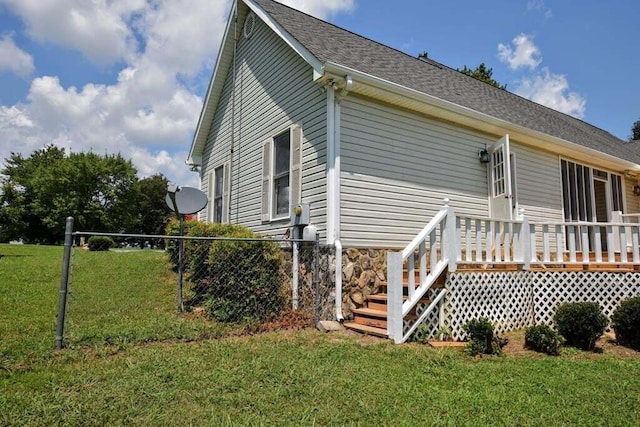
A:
x: 300, y: 215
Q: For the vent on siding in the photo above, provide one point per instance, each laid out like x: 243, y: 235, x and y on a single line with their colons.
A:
x: 249, y: 25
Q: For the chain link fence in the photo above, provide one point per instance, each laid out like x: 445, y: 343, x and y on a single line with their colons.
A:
x: 221, y: 280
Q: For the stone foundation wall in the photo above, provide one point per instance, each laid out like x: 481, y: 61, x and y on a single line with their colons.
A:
x: 363, y: 272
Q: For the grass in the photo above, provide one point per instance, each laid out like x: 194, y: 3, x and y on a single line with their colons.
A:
x: 166, y: 371
x: 117, y: 298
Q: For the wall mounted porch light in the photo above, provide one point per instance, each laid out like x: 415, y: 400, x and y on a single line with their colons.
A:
x: 483, y: 155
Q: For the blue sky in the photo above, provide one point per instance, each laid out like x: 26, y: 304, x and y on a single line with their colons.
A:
x: 129, y: 75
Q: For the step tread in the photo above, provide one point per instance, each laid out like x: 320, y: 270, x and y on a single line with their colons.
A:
x: 370, y: 312
x: 370, y: 330
x: 405, y: 283
x: 380, y: 314
x: 383, y: 297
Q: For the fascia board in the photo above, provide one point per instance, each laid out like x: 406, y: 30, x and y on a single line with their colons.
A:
x: 394, y: 93
x: 288, y: 38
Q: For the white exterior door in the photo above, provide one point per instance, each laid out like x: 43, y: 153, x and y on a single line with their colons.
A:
x: 500, y: 175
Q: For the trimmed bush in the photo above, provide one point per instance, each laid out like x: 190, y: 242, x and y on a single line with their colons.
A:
x: 580, y: 323
x: 100, y: 243
x: 543, y: 339
x: 244, y: 281
x: 234, y: 280
x: 196, y: 252
x: 626, y: 323
x: 481, y: 337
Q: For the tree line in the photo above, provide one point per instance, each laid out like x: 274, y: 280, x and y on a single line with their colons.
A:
x: 101, y: 192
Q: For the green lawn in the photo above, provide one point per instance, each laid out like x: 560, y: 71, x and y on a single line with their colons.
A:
x: 133, y: 360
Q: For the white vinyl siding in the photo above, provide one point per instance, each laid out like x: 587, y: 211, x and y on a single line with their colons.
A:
x: 538, y: 183
x: 632, y: 202
x: 274, y: 91
x: 397, y: 167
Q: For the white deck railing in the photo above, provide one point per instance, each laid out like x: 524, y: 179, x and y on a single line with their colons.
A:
x: 492, y: 241
x: 587, y: 242
x: 449, y: 239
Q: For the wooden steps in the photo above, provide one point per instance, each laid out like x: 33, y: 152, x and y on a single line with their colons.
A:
x: 372, y: 320
x: 367, y: 330
x: 374, y: 317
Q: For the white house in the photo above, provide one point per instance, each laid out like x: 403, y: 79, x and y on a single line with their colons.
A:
x: 299, y: 110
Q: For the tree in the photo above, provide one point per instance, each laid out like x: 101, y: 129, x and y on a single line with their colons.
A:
x: 41, y: 190
x: 423, y: 55
x: 635, y: 132
x: 152, y: 214
x: 482, y: 73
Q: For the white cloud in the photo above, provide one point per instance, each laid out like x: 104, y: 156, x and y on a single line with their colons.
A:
x: 524, y: 53
x: 98, y: 28
x: 539, y: 6
x: 14, y: 59
x: 172, y: 165
x: 149, y: 113
x: 321, y: 8
x: 553, y: 91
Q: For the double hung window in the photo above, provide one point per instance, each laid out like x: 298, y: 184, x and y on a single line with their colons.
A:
x: 281, y: 173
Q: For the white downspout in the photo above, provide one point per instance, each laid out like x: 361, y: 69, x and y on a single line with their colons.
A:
x: 333, y: 181
x: 333, y: 192
x: 336, y: 206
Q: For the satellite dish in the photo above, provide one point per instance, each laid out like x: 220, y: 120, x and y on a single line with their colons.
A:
x: 188, y: 200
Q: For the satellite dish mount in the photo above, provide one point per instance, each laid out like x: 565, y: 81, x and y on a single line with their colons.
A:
x: 183, y: 201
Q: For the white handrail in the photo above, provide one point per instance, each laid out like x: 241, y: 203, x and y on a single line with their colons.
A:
x: 441, y: 250
x: 411, y: 247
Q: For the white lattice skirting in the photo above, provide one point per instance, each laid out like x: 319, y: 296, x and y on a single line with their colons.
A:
x: 514, y: 300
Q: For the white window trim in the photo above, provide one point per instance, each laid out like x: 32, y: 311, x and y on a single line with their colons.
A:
x: 212, y: 191
x: 272, y: 188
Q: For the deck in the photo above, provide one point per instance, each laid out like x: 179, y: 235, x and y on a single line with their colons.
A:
x: 566, y: 257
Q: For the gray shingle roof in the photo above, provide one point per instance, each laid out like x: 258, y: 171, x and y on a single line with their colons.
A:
x: 330, y: 43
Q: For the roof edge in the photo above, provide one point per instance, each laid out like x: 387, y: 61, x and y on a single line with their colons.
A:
x: 222, y: 63
x: 410, y: 98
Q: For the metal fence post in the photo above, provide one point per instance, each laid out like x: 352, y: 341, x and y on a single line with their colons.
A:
x: 316, y: 279
x: 295, y: 268
x: 64, y: 283
x: 180, y: 266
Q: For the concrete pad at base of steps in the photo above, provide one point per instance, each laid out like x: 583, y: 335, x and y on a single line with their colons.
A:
x: 329, y: 326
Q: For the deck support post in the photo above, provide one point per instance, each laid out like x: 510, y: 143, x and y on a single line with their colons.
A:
x: 450, y: 240
x: 524, y: 240
x: 394, y: 296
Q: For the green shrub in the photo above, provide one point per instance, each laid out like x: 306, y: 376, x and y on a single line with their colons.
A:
x: 234, y: 280
x: 196, y: 252
x: 626, y: 323
x: 244, y: 281
x: 580, y: 323
x: 481, y: 337
x: 420, y: 335
x: 543, y: 338
x: 100, y: 243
